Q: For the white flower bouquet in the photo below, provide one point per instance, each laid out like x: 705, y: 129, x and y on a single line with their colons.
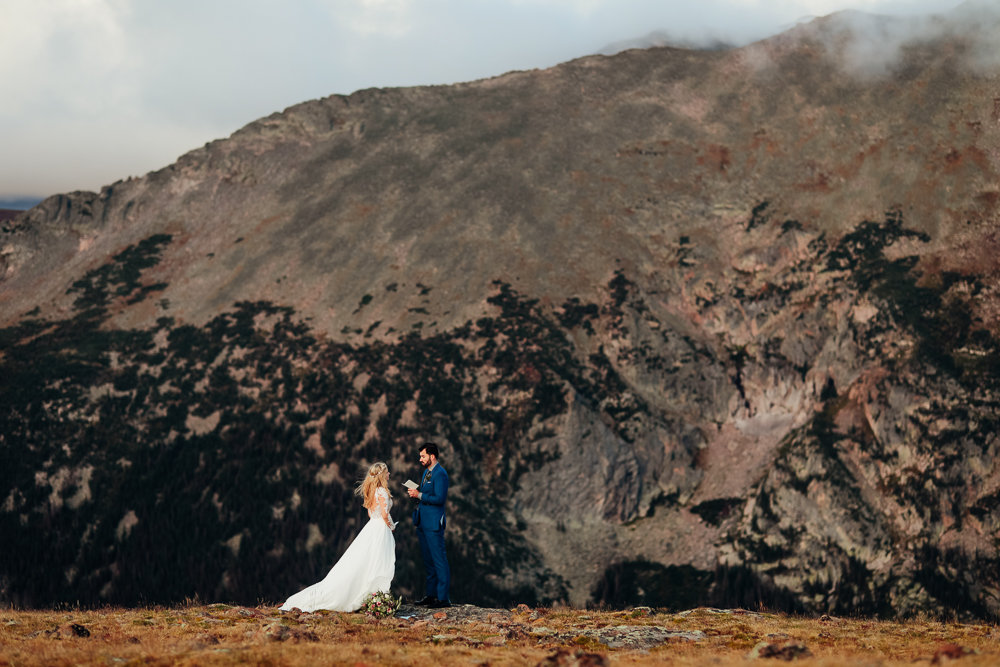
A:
x: 380, y: 604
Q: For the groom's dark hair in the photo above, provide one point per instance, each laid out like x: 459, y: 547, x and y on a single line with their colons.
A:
x: 430, y: 448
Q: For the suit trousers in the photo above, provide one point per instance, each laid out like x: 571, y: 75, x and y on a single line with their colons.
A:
x: 435, y: 562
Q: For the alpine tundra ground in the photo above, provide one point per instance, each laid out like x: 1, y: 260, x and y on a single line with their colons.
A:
x: 467, y: 635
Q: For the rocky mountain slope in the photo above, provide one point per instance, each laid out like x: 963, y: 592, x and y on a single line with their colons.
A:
x: 692, y: 326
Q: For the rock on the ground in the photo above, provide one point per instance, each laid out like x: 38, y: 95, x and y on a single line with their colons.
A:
x: 787, y: 651
x: 276, y: 632
x: 948, y: 652
x: 580, y: 658
x: 73, y: 630
x: 637, y: 636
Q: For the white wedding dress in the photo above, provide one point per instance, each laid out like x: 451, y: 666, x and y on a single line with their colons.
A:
x: 367, y: 566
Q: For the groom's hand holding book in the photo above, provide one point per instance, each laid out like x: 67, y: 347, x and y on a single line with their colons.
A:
x: 411, y: 488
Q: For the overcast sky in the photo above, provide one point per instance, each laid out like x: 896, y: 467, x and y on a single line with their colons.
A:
x: 96, y: 90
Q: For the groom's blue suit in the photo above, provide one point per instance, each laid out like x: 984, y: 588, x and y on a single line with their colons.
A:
x: 430, y: 521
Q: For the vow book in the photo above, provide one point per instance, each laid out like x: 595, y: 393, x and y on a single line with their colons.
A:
x: 410, y: 484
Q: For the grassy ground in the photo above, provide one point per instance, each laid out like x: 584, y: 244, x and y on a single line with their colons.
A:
x: 222, y: 635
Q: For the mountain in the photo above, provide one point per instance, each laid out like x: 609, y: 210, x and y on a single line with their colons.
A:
x: 692, y: 327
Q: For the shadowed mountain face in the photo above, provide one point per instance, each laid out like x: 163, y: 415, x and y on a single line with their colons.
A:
x: 711, y: 327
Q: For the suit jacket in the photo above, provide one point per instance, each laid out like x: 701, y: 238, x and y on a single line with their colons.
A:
x: 433, y: 494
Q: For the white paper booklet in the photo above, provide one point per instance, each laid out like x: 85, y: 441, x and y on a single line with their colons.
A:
x: 410, y: 484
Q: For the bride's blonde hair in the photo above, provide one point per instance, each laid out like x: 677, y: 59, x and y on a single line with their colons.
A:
x: 372, y: 481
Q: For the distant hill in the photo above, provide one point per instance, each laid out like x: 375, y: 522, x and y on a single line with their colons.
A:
x: 9, y: 214
x: 19, y: 203
x: 693, y: 327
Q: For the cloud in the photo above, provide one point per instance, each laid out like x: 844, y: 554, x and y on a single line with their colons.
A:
x: 659, y: 38
x: 70, y: 88
x: 88, y: 152
x: 872, y: 45
x: 375, y: 17
x: 61, y: 52
x: 583, y: 8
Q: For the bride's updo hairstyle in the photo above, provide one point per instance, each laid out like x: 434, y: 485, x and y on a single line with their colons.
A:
x: 372, y: 481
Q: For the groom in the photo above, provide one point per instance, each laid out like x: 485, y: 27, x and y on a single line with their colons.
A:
x: 430, y: 522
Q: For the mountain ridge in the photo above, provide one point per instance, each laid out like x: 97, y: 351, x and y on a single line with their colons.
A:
x: 719, y: 323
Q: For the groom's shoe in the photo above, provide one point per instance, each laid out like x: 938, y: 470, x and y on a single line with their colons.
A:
x: 439, y: 604
x: 427, y: 601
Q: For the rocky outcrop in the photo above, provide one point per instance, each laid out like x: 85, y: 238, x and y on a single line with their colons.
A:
x: 712, y: 326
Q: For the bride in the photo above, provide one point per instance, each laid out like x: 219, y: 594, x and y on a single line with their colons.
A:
x: 369, y: 563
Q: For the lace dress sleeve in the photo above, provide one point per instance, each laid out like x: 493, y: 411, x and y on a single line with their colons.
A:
x: 381, y: 508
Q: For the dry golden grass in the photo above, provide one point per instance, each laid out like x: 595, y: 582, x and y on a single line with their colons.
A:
x: 187, y: 636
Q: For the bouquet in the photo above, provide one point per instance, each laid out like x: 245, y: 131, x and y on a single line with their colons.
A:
x: 380, y: 604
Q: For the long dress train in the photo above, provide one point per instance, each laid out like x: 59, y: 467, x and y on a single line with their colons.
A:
x: 368, y: 565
